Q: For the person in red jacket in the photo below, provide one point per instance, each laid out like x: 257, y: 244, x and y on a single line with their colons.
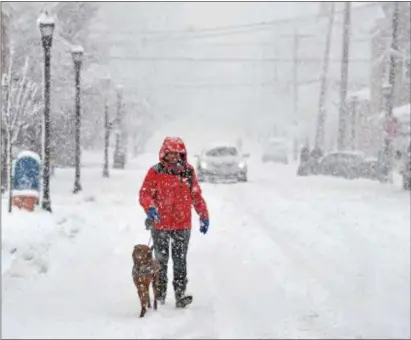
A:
x: 169, y: 190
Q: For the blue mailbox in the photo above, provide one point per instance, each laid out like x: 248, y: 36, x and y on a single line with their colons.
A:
x: 26, y: 176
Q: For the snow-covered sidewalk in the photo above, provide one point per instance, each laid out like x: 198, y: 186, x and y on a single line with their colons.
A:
x: 286, y: 257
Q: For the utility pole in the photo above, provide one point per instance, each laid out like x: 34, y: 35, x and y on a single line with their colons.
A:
x: 106, y: 140
x: 296, y: 119
x: 107, y: 126
x: 319, y: 135
x: 343, y: 112
x: 392, y: 81
x: 353, y: 123
x: 393, y: 61
x: 119, y: 155
x: 295, y: 93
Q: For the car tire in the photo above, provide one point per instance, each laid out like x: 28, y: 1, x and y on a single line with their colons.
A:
x: 242, y: 178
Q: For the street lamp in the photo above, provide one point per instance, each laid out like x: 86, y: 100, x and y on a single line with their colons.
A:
x: 353, y: 115
x: 386, y: 89
x: 119, y: 153
x: 77, y: 54
x: 107, y: 126
x: 46, y: 25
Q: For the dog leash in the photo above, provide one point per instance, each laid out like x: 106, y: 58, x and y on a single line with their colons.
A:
x: 149, y: 226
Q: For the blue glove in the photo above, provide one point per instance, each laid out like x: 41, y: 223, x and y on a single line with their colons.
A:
x: 153, y: 215
x: 204, y: 224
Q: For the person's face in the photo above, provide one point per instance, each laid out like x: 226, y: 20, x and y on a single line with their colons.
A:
x: 172, y: 157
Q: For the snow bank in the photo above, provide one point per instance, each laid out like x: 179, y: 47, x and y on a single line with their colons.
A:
x: 26, y: 239
x: 25, y: 242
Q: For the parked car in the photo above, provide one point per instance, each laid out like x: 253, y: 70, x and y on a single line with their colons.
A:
x: 405, y: 170
x: 222, y: 162
x: 370, y: 168
x: 276, y: 150
x: 345, y: 164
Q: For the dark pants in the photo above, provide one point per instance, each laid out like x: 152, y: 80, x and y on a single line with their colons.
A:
x: 179, y: 247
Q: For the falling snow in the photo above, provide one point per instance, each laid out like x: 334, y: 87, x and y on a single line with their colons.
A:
x: 296, y: 122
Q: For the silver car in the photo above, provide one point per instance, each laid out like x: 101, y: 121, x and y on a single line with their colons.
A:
x: 222, y: 162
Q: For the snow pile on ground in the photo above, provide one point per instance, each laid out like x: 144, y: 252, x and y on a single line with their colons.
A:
x: 27, y: 238
x: 285, y: 257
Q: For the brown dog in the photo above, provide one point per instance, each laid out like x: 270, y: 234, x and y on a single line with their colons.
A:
x: 145, y: 271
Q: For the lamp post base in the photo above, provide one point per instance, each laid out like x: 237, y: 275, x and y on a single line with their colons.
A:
x: 46, y: 205
x: 105, y: 172
x: 77, y: 188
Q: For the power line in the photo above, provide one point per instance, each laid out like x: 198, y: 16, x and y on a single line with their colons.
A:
x: 228, y: 60
x: 250, y: 43
x: 198, y: 86
x: 224, y: 30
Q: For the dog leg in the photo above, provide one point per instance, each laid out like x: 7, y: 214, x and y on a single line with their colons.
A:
x: 141, y: 291
x: 143, y: 312
x: 155, y: 289
x: 148, y: 296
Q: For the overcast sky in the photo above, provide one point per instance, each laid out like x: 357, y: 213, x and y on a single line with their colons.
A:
x: 196, y: 95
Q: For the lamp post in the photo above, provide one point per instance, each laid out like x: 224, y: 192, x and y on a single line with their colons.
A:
x: 46, y: 25
x: 386, y: 97
x: 119, y: 154
x: 107, y: 126
x: 353, y: 115
x: 77, y: 54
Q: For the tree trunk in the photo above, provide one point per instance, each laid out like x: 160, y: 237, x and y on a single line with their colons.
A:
x: 343, y: 110
x: 10, y: 169
x: 319, y: 135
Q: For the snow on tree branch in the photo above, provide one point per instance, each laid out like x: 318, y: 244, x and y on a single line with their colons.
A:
x: 19, y: 96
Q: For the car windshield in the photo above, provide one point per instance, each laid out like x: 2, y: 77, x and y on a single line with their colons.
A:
x: 222, y: 151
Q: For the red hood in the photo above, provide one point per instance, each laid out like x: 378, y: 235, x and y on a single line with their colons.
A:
x: 173, y: 144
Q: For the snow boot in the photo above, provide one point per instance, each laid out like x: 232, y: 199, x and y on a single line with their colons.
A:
x: 183, y: 300
x: 161, y: 297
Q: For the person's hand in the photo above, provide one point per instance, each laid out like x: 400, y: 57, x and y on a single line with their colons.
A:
x: 153, y: 215
x: 204, y: 224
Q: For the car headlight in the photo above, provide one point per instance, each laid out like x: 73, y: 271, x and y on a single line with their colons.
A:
x: 242, y: 165
x: 203, y: 165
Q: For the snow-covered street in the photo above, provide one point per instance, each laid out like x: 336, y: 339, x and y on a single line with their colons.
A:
x: 285, y: 257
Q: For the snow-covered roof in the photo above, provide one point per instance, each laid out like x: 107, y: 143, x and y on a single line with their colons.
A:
x: 31, y: 154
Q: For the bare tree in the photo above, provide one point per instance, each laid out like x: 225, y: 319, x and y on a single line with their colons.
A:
x: 19, y: 109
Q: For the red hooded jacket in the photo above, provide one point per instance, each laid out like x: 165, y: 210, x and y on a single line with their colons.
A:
x: 173, y: 192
